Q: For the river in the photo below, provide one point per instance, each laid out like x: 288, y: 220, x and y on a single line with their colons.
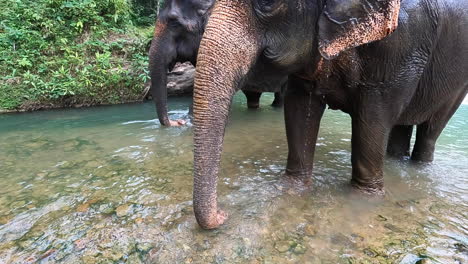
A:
x: 110, y: 185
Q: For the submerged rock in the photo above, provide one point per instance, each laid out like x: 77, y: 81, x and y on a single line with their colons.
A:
x: 309, y: 230
x: 134, y: 259
x: 282, y: 246
x: 123, y: 210
x: 412, y: 259
x: 144, y: 247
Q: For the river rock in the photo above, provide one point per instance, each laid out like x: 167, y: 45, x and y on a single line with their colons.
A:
x: 144, y: 247
x: 282, y: 246
x: 123, y: 210
x: 309, y: 230
x: 134, y: 259
x: 299, y: 249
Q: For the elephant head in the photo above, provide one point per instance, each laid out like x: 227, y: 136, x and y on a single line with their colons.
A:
x: 282, y: 37
x: 177, y: 36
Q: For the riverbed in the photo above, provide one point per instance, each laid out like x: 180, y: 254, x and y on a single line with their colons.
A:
x: 110, y: 185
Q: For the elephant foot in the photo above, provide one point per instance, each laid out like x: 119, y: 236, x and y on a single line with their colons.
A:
x: 216, y: 220
x: 375, y: 190
x: 423, y: 157
x: 295, y: 184
x: 277, y: 104
x: 398, y: 155
x: 178, y: 122
x: 253, y: 105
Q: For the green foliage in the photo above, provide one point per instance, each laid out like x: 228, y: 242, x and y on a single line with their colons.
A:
x: 63, y: 52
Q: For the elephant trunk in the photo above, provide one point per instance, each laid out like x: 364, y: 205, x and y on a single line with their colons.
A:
x: 158, y: 65
x: 226, y: 53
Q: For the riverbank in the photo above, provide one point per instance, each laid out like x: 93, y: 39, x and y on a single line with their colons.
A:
x: 179, y: 83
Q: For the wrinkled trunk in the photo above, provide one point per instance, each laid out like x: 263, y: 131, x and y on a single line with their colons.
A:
x: 160, y: 55
x: 227, y: 50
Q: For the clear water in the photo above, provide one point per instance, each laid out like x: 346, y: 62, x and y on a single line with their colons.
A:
x: 109, y: 185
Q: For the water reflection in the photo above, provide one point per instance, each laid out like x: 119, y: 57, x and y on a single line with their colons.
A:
x: 110, y: 185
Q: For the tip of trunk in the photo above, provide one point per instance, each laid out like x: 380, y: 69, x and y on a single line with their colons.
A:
x: 211, y: 221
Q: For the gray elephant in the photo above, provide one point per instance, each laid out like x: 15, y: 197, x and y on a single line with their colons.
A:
x: 389, y: 64
x: 178, y: 31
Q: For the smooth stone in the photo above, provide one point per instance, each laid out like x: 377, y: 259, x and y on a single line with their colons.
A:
x: 381, y: 218
x: 106, y: 209
x: 299, y: 249
x: 393, y: 228
x: 282, y: 246
x: 310, y: 230
x: 123, y: 210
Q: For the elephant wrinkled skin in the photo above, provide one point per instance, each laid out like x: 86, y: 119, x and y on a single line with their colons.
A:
x: 389, y: 65
x: 177, y: 36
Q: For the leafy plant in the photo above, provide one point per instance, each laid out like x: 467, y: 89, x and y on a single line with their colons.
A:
x: 65, y: 52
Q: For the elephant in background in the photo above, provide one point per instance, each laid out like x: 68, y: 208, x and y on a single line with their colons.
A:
x: 389, y: 64
x: 177, y: 35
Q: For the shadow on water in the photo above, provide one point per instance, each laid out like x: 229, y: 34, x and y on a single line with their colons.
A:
x: 108, y: 184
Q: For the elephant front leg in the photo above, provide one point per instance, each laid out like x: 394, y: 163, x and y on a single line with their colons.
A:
x: 303, y: 111
x: 369, y: 138
x: 400, y: 141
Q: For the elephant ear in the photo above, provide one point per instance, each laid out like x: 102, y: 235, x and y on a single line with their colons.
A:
x: 346, y: 24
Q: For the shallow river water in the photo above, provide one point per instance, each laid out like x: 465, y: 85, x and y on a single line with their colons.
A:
x: 109, y: 185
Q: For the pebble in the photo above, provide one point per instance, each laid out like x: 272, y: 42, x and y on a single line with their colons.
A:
x: 134, y: 259
x: 282, y: 246
x: 5, y: 219
x: 381, y: 218
x: 299, y: 249
x: 82, y: 208
x: 123, y: 210
x: 144, y: 247
x: 310, y: 230
x: 106, y: 209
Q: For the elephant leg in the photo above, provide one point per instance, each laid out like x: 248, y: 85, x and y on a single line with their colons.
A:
x: 303, y: 111
x: 428, y: 132
x: 253, y: 99
x: 400, y: 141
x: 190, y: 110
x: 279, y: 96
x: 426, y: 137
x: 279, y: 100
x: 369, y: 138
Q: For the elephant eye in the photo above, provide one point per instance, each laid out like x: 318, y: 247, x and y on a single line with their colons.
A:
x: 266, y: 3
x: 269, y: 7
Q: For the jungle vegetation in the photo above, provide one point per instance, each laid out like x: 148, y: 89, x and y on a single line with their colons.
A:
x: 58, y: 53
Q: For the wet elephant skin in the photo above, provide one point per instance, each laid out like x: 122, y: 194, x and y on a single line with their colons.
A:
x: 178, y: 31
x: 390, y: 65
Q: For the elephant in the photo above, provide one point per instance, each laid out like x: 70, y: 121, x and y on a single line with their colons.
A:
x: 177, y: 35
x: 390, y: 65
